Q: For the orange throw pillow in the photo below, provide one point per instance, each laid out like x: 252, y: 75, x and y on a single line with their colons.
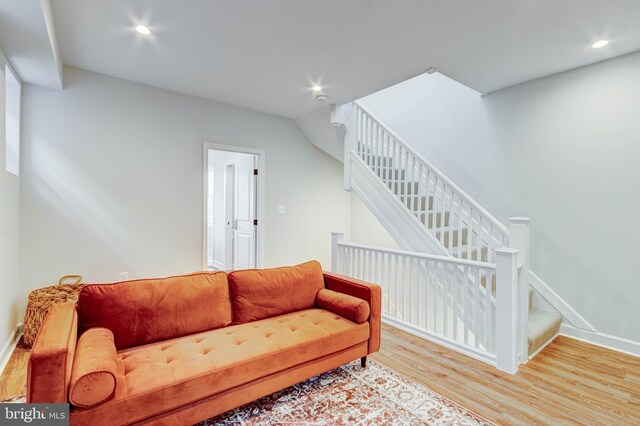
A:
x: 93, y: 375
x: 146, y: 311
x: 265, y: 293
x: 349, y: 307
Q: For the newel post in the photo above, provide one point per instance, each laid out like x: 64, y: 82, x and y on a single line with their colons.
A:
x: 519, y: 238
x: 336, y: 238
x: 507, y: 309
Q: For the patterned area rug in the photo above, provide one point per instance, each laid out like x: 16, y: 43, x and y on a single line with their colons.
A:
x: 351, y: 395
x: 348, y: 395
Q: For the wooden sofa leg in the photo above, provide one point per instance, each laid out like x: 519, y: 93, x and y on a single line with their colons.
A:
x: 363, y: 362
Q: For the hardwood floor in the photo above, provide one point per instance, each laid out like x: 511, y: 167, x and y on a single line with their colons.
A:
x: 14, y: 377
x: 568, y: 383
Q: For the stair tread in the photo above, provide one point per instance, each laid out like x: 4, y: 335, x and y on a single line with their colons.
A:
x: 542, y: 327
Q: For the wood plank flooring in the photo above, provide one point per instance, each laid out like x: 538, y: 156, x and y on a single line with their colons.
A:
x: 568, y: 383
x: 13, y: 381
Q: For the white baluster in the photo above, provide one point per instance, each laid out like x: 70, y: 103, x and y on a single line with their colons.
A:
x: 488, y: 321
x: 396, y: 285
x: 396, y: 175
x: 450, y: 211
x: 378, y: 152
x: 389, y: 282
x: 420, y: 194
x: 419, y: 296
x: 410, y: 184
x: 465, y: 303
x: 460, y: 210
x: 479, y: 245
x: 476, y: 309
x: 411, y: 286
x: 442, y: 212
x: 454, y: 289
x: 471, y: 229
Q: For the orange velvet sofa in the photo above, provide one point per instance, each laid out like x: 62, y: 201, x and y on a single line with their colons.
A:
x: 179, y: 350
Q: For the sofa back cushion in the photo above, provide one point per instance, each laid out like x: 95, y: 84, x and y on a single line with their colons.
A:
x: 151, y: 310
x: 264, y: 293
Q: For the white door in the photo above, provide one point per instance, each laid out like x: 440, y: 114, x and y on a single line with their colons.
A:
x: 244, y: 232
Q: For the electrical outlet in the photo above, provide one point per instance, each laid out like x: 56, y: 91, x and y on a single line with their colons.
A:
x: 123, y: 276
x: 281, y: 209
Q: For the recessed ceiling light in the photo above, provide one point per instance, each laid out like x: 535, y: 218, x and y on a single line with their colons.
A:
x: 599, y: 44
x: 317, y: 88
x: 143, y: 29
x: 321, y: 98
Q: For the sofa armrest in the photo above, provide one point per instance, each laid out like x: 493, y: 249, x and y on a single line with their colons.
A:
x: 365, y: 291
x: 51, y: 358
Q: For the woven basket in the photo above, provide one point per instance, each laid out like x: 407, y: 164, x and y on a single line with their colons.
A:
x: 41, y: 300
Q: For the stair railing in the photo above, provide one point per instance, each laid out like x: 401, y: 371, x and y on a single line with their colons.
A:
x: 421, y: 294
x: 430, y: 195
x: 444, y: 210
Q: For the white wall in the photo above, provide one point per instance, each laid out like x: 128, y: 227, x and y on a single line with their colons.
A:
x: 366, y: 229
x: 563, y: 150
x: 9, y: 231
x: 113, y: 172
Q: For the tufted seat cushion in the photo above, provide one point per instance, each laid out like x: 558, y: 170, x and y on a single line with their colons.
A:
x: 161, y: 376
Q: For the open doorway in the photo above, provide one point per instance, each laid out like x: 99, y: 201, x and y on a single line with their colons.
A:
x: 232, y: 225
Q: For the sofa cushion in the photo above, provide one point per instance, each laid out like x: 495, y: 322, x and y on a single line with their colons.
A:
x: 93, y: 376
x: 145, y: 311
x: 352, y: 308
x: 265, y: 293
x: 159, y: 377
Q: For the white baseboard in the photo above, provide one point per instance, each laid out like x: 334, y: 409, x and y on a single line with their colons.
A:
x: 608, y: 341
x: 9, y: 346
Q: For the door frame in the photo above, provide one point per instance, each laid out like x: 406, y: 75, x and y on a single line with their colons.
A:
x: 229, y: 211
x: 260, y: 188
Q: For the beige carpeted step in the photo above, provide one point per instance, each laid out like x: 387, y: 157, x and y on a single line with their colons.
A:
x: 419, y: 203
x: 454, y: 232
x: 390, y: 174
x: 428, y: 217
x: 404, y: 188
x: 542, y: 327
x: 473, y: 251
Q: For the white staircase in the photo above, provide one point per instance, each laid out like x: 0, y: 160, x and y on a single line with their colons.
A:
x: 457, y: 280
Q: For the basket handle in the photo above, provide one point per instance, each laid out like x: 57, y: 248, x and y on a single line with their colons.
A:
x: 77, y: 278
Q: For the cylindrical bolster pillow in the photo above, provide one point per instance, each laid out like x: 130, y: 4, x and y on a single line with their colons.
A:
x: 93, y: 376
x: 352, y: 308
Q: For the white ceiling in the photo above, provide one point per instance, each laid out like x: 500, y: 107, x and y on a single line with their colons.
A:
x: 265, y: 55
